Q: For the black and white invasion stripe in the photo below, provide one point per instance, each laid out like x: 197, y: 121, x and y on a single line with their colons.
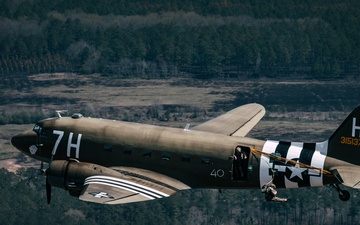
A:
x: 133, y: 187
x: 287, y: 175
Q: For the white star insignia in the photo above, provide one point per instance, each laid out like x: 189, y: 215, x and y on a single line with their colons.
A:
x: 297, y: 171
x: 101, y: 195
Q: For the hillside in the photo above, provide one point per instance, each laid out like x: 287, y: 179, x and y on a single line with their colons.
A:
x: 202, y: 39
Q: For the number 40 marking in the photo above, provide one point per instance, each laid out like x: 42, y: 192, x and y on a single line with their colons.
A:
x: 217, y: 173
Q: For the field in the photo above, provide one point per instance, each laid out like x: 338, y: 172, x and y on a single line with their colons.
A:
x: 296, y: 110
x: 75, y: 92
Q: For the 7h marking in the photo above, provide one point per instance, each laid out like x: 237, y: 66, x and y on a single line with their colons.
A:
x: 70, y: 145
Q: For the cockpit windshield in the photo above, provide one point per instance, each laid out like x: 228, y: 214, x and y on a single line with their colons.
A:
x: 37, y: 129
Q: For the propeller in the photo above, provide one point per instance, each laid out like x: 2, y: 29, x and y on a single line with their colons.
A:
x: 44, y: 171
x: 47, y: 184
x: 48, y: 191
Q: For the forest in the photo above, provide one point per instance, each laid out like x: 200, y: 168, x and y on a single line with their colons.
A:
x: 24, y: 202
x: 310, y: 39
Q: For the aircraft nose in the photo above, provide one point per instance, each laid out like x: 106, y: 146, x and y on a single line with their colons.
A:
x: 25, y: 142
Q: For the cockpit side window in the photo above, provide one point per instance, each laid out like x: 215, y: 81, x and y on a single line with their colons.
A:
x: 37, y: 129
x: 45, y: 132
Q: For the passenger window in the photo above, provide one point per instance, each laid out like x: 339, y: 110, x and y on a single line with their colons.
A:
x: 166, y: 156
x: 205, y: 160
x: 45, y: 133
x: 185, y: 158
x: 127, y: 150
x: 108, y: 147
x: 147, y: 154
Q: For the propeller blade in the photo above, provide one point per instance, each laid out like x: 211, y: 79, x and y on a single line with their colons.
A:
x: 48, y: 191
x: 42, y: 171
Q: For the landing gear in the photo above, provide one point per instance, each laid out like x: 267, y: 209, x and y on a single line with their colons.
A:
x: 343, y: 194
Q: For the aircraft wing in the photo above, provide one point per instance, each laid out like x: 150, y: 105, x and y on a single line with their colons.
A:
x: 237, y: 122
x: 134, y: 185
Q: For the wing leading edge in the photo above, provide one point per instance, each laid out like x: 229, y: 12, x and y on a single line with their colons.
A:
x: 237, y: 122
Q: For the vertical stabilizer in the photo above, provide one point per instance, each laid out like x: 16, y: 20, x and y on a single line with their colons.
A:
x: 344, y: 144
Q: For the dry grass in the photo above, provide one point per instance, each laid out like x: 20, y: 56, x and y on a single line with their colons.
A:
x: 301, y: 131
x: 107, y: 92
x: 146, y: 95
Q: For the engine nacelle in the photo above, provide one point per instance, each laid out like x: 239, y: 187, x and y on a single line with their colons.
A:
x: 71, y: 174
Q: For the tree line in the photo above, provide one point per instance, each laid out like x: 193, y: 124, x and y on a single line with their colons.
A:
x: 24, y: 202
x: 203, y: 39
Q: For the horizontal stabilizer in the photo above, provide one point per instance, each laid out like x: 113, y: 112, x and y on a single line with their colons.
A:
x: 350, y: 175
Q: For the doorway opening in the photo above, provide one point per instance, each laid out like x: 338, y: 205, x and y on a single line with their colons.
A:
x: 240, y: 163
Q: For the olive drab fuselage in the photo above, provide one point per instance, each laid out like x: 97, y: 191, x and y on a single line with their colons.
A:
x: 199, y: 159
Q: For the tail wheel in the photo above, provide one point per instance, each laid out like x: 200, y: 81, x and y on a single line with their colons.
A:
x: 344, y: 195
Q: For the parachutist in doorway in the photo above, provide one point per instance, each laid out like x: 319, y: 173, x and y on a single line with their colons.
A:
x: 239, y: 164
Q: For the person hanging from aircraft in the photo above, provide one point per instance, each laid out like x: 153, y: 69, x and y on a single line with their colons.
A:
x: 239, y: 164
x: 270, y: 193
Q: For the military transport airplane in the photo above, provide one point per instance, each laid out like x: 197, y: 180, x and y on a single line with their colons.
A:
x: 114, y: 162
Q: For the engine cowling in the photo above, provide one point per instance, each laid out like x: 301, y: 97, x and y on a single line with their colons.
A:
x: 71, y: 174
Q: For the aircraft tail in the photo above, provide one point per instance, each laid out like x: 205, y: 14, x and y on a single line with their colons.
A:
x: 344, y: 145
